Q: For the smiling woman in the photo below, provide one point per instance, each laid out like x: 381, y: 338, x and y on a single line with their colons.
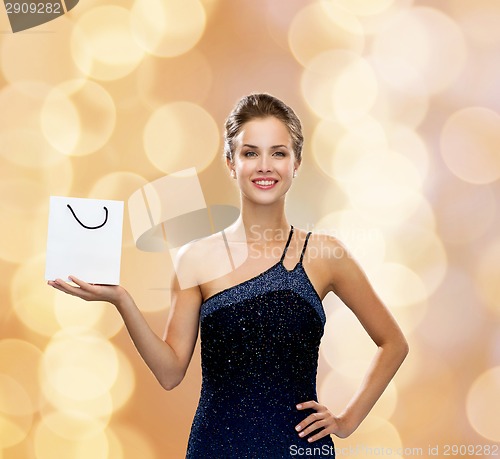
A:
x: 260, y: 320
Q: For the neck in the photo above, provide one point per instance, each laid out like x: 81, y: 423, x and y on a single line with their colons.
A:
x: 264, y: 223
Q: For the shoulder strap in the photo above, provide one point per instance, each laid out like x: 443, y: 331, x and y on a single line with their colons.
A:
x: 304, y: 248
x: 287, y: 243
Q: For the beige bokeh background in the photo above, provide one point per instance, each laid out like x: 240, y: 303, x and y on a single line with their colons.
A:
x: 400, y: 108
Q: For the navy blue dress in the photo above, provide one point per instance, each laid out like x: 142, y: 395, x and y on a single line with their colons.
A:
x: 259, y: 354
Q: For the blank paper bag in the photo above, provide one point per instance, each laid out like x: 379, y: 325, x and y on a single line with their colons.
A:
x: 84, y: 240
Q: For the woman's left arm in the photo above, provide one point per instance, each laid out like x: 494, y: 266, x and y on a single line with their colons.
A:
x: 350, y: 284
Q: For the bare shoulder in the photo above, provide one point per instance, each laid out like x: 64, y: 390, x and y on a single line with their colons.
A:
x: 330, y: 259
x: 198, y: 260
x: 199, y: 248
x: 191, y: 254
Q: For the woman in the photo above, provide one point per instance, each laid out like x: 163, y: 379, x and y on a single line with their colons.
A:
x: 260, y: 317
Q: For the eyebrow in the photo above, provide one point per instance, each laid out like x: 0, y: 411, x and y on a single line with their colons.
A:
x: 273, y: 147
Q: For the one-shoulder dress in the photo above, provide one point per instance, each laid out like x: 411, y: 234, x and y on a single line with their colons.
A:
x: 259, y: 355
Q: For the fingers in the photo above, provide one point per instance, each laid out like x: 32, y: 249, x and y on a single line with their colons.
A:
x: 89, y: 292
x: 81, y: 290
x: 79, y: 282
x: 309, y: 404
x: 321, y: 419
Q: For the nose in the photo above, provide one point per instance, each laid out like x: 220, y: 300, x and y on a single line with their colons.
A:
x: 264, y: 164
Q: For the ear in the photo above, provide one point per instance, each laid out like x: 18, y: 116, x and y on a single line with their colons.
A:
x: 229, y: 164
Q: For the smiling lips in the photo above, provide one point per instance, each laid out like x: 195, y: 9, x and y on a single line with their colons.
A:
x: 265, y: 184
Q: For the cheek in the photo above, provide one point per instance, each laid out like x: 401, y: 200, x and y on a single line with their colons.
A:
x: 286, y: 168
x: 243, y: 169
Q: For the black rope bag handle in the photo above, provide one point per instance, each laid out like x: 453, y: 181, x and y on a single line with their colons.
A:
x: 89, y: 227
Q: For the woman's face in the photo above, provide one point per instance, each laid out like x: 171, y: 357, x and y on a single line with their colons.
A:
x: 264, y: 161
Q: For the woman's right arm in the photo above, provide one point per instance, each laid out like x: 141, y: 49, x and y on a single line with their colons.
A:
x: 167, y: 358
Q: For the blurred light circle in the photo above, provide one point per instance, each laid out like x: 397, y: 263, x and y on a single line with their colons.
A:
x: 134, y: 443
x: 73, y: 425
x: 103, y: 45
x: 398, y: 285
x: 464, y: 327
x: 326, y: 86
x: 45, y: 56
x: 422, y: 251
x: 420, y: 45
x: 46, y: 441
x: 400, y: 106
x: 13, y: 398
x: 120, y: 186
x: 410, y: 144
x: 469, y: 145
x: 23, y: 208
x: 324, y: 141
x: 80, y: 364
x: 115, y: 450
x: 279, y: 16
x: 478, y: 19
x: 21, y: 139
x: 464, y: 211
x: 60, y: 121
x: 363, y: 7
x: 355, y: 92
x: 374, y: 23
x: 346, y: 346
x: 20, y: 360
x: 78, y: 117
x: 190, y: 77
x: 32, y: 300
x: 14, y: 430
x: 124, y: 386
x: 483, y: 404
x: 180, y: 135
x: 384, y: 186
x: 333, y: 28
x: 15, y: 412
x: 22, y: 196
x: 487, y: 272
x: 423, y: 218
x: 438, y: 379
x: 403, y: 291
x: 362, y: 239
x: 337, y: 149
x: 167, y: 28
x: 71, y: 311
x: 475, y: 86
x: 99, y: 408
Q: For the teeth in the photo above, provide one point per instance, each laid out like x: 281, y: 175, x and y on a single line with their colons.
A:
x: 264, y: 182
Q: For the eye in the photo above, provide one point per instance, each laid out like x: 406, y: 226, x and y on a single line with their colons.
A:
x: 249, y: 153
x: 280, y: 153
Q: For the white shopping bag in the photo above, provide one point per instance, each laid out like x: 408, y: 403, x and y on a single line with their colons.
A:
x: 84, y: 240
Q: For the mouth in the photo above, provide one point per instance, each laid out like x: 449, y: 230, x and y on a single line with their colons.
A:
x: 265, y: 184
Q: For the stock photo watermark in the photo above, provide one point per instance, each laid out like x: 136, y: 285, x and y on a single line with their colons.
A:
x: 25, y: 14
x: 171, y: 212
x: 361, y: 450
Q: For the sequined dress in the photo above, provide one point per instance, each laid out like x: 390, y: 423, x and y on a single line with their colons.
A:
x: 259, y: 352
